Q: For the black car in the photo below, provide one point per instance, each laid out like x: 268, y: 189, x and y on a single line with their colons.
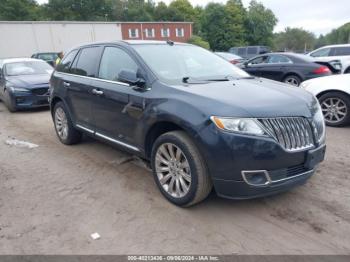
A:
x: 24, y: 83
x: 49, y: 57
x: 198, y: 119
x: 285, y: 67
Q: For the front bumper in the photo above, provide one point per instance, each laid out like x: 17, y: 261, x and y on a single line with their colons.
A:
x: 228, y: 154
x: 27, y: 100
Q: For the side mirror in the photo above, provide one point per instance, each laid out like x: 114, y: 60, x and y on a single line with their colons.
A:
x: 246, y: 64
x: 131, y: 77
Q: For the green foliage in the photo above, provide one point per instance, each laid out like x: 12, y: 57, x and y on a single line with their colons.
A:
x: 260, y: 23
x: 294, y: 39
x: 222, y: 25
x: 197, y: 40
x: 340, y: 35
x: 20, y: 10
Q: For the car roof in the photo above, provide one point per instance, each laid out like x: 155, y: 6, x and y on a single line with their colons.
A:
x: 129, y: 42
x: 14, y: 60
x: 340, y: 45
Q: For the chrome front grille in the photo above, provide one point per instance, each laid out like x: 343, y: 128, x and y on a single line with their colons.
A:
x: 292, y: 133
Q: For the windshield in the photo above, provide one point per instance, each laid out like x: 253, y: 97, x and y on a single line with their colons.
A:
x: 174, y: 63
x: 28, y: 68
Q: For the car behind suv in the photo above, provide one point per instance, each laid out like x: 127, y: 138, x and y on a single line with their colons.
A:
x: 248, y: 52
x: 198, y: 119
x: 334, y: 53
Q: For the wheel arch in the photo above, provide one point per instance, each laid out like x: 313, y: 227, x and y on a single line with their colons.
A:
x: 319, y: 95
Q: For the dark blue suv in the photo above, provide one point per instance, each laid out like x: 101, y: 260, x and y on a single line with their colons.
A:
x: 199, y: 120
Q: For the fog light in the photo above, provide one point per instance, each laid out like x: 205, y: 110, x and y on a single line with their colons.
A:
x: 256, y: 177
x: 20, y: 100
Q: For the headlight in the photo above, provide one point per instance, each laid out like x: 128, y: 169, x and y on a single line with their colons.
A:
x: 319, y: 125
x: 18, y: 89
x: 240, y: 125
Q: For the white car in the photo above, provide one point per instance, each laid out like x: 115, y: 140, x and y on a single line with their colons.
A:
x: 333, y: 53
x: 333, y: 92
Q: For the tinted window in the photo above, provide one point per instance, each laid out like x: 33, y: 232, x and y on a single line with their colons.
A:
x: 113, y: 61
x: 87, y: 62
x: 241, y: 51
x: 252, y: 50
x: 278, y: 59
x: 258, y: 60
x: 66, y: 62
x: 340, y: 51
x: 322, y: 52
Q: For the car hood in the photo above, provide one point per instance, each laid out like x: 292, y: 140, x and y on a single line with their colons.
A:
x: 251, y: 98
x: 29, y: 81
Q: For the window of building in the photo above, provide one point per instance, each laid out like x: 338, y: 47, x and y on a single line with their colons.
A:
x: 133, y: 33
x: 87, y: 62
x: 180, y: 32
x: 113, y: 61
x: 165, y: 32
x: 149, y: 32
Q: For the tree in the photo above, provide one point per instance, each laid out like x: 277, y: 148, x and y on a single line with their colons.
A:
x: 20, y: 10
x: 222, y: 25
x: 294, y: 39
x: 260, y: 23
x: 197, y: 40
x: 340, y: 35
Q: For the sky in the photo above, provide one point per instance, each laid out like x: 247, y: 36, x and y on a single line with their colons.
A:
x: 317, y: 16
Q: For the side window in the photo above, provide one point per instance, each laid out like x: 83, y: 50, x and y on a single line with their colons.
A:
x: 279, y: 59
x: 113, y: 61
x: 252, y: 50
x: 341, y: 51
x: 241, y: 51
x: 87, y: 62
x: 258, y: 60
x: 321, y: 53
x: 66, y: 62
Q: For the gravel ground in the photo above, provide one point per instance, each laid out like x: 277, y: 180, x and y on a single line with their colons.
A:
x: 53, y: 197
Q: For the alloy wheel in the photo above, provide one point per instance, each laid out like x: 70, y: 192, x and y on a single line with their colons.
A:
x: 61, y: 123
x: 173, y: 170
x: 334, y: 110
x: 292, y: 81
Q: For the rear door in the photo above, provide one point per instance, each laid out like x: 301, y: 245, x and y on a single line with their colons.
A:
x: 77, y: 85
x: 117, y: 106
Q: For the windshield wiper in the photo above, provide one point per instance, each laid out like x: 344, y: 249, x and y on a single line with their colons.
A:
x: 192, y: 80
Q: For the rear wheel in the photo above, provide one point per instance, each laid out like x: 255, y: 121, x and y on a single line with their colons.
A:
x: 179, y: 169
x: 293, y: 80
x: 336, y: 108
x: 65, y: 130
x: 347, y: 71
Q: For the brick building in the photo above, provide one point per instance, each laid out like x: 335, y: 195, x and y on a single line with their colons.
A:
x: 175, y: 31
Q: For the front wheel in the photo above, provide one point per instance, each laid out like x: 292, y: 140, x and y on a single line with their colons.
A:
x: 179, y: 169
x: 336, y: 108
x: 10, y: 104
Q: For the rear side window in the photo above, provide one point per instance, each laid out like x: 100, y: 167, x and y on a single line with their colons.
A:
x: 66, y: 62
x: 252, y: 50
x: 321, y: 53
x: 113, y: 61
x: 279, y: 59
x: 340, y: 51
x: 242, y: 51
x: 88, y: 61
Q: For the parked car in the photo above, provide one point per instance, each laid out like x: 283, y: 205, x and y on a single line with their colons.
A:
x: 332, y: 54
x: 285, y: 67
x: 333, y: 93
x: 233, y: 59
x: 24, y: 83
x: 49, y: 57
x: 248, y: 52
x: 198, y: 119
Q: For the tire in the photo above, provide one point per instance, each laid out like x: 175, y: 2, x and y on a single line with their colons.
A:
x: 187, y: 169
x: 347, y: 71
x: 9, y: 102
x: 293, y: 80
x: 336, y: 108
x: 65, y: 130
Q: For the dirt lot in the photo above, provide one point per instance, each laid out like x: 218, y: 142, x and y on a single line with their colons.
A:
x: 54, y: 196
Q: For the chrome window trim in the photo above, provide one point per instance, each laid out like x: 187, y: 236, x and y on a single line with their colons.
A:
x: 95, y: 78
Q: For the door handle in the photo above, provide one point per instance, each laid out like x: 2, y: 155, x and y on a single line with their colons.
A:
x: 66, y: 84
x: 97, y: 92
